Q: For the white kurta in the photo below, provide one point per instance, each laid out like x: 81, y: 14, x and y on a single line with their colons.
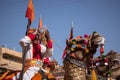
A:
x: 27, y: 48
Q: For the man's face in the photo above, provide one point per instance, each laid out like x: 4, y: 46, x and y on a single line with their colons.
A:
x: 41, y: 35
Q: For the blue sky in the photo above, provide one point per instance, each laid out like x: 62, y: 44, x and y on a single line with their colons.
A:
x: 102, y: 16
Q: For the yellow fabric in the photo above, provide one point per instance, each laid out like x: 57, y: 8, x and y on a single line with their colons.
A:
x: 94, y: 77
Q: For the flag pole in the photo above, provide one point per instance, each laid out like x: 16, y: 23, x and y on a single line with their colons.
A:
x: 28, y: 26
x: 70, y: 37
x: 24, y: 51
x: 30, y: 16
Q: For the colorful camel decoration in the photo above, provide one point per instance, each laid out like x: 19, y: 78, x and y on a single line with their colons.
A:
x: 78, y: 56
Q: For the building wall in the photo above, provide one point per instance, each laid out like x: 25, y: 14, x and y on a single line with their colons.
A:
x: 10, y: 59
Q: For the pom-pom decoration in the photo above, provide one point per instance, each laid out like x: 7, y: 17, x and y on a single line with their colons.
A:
x: 78, y: 46
x: 86, y: 50
x: 94, y: 32
x: 103, y: 56
x: 72, y: 49
x: 101, y: 50
x: 73, y: 41
x: 74, y: 46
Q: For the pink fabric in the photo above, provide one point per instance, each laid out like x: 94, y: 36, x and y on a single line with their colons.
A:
x: 36, y: 51
x: 46, y: 60
x: 32, y: 36
x: 36, y: 47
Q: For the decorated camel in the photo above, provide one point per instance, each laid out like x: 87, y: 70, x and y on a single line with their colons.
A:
x: 105, y: 64
x: 78, y: 56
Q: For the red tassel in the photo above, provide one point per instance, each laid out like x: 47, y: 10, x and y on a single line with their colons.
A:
x: 101, y: 50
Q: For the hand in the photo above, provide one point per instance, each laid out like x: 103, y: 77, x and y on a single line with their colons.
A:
x: 36, y: 31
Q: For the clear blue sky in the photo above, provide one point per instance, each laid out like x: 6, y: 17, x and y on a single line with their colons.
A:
x: 102, y: 16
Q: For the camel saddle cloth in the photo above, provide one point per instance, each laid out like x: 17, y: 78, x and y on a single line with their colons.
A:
x: 32, y: 63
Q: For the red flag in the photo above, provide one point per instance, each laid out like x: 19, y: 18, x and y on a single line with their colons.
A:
x: 30, y: 11
x: 40, y: 23
x: 64, y: 53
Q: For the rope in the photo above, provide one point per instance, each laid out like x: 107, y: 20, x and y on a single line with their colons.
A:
x: 57, y: 45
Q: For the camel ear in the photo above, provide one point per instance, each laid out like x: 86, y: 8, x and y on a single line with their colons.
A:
x: 66, y: 41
